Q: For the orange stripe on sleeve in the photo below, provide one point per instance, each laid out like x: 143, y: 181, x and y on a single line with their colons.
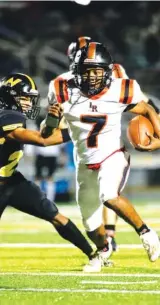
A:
x: 57, y: 91
x: 65, y: 91
x: 122, y: 94
x: 61, y: 92
x: 130, y: 94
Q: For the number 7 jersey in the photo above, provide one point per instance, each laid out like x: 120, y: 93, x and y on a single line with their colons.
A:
x: 94, y: 123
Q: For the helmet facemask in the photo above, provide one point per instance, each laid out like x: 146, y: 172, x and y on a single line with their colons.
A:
x: 92, y: 68
x: 92, y: 79
x: 35, y: 110
x: 32, y: 109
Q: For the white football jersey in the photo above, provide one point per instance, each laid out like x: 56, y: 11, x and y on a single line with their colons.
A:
x: 95, y: 123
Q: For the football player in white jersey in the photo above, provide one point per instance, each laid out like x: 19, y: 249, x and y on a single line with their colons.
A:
x: 109, y: 216
x: 93, y: 104
x: 118, y: 71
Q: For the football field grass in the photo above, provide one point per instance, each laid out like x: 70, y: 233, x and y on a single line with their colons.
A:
x: 39, y: 267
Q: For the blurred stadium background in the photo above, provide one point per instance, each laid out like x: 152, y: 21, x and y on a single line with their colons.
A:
x: 34, y: 37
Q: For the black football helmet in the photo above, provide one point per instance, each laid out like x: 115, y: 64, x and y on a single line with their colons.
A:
x: 75, y: 46
x: 93, y: 56
x: 17, y: 85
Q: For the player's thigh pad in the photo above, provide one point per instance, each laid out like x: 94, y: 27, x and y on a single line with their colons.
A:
x: 27, y: 197
x: 113, y: 175
x: 87, y: 195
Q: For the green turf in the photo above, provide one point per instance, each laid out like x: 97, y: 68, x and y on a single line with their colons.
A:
x: 48, y: 298
x: 24, y: 263
x: 70, y: 260
x: 50, y: 237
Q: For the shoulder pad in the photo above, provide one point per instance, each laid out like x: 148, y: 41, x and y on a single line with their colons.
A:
x: 10, y: 120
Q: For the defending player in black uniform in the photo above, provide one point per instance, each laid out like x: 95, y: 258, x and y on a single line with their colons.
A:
x: 18, y: 101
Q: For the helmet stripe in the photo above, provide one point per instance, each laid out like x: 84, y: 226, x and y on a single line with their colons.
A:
x: 92, y: 50
x: 82, y: 42
x: 30, y: 79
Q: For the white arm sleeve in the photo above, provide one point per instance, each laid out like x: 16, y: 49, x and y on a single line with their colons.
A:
x: 51, y: 93
x: 138, y: 95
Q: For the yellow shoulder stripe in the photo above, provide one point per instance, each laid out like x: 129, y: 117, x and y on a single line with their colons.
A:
x: 2, y: 140
x: 12, y: 126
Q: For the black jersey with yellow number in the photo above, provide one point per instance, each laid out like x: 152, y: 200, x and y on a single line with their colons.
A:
x: 11, y: 151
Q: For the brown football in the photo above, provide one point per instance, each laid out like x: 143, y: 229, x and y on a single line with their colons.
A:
x: 137, y: 130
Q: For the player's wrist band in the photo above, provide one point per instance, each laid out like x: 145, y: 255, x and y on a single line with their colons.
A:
x: 65, y: 135
x: 52, y: 121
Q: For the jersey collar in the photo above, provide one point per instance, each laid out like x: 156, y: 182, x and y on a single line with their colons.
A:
x: 97, y: 96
